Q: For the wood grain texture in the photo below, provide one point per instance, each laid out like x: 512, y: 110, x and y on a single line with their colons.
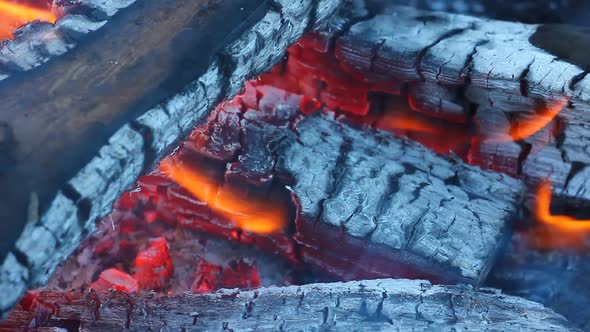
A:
x: 79, y: 130
x: 527, y: 11
x: 375, y: 305
x: 458, y: 66
x: 368, y: 204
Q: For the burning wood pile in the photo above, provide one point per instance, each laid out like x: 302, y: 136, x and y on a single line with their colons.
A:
x: 322, y: 164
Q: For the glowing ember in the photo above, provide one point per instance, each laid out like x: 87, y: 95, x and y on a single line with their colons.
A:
x: 153, y: 266
x: 13, y: 16
x: 561, y: 222
x: 117, y: 280
x: 526, y: 127
x: 249, y: 214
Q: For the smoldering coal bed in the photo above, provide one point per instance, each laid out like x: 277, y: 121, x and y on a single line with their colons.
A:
x: 388, y: 142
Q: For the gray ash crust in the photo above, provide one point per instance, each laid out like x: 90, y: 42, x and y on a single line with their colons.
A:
x: 375, y: 305
x: 38, y: 42
x: 54, y: 233
x: 525, y: 11
x: 393, y: 206
x: 489, y: 71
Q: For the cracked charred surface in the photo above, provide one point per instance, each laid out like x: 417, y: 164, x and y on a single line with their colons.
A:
x: 368, y: 205
x: 382, y: 305
x: 82, y: 130
x: 400, y: 208
x: 528, y: 11
x: 38, y: 42
x: 463, y: 68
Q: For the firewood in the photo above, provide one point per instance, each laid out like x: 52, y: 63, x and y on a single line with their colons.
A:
x: 527, y: 11
x: 37, y: 42
x: 77, y: 131
x: 368, y: 204
x: 387, y: 304
x: 461, y: 67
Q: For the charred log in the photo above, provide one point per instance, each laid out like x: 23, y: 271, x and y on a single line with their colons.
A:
x: 490, y: 73
x: 527, y: 11
x: 38, y: 42
x: 368, y: 205
x: 97, y: 94
x: 374, y: 305
x: 400, y: 207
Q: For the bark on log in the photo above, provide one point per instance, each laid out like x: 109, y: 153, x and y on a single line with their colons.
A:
x: 375, y: 305
x: 368, y: 205
x: 452, y: 64
x: 79, y: 130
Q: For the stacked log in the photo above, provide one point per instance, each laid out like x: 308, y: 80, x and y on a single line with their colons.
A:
x: 84, y: 126
x: 372, y: 304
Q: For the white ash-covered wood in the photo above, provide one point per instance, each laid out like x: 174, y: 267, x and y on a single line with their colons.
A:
x: 455, y: 66
x: 368, y: 204
x: 528, y: 11
x: 38, y: 42
x: 395, y: 198
x: 375, y: 305
x: 47, y: 217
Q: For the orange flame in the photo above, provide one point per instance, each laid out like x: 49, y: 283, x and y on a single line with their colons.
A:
x: 543, y: 213
x: 526, y: 127
x: 405, y: 121
x: 249, y: 214
x: 13, y: 15
x: 439, y: 135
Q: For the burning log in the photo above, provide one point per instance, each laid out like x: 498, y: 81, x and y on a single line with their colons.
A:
x: 499, y: 69
x: 53, y: 190
x: 368, y: 205
x: 523, y: 113
x: 528, y: 11
x: 402, y: 206
x: 40, y: 40
x: 367, y: 305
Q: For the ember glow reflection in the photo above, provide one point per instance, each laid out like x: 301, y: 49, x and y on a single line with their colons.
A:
x: 13, y: 16
x: 253, y: 215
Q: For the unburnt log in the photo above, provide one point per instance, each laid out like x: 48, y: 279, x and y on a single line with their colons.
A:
x: 78, y: 131
x: 498, y: 74
x: 361, y: 305
x: 368, y: 205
